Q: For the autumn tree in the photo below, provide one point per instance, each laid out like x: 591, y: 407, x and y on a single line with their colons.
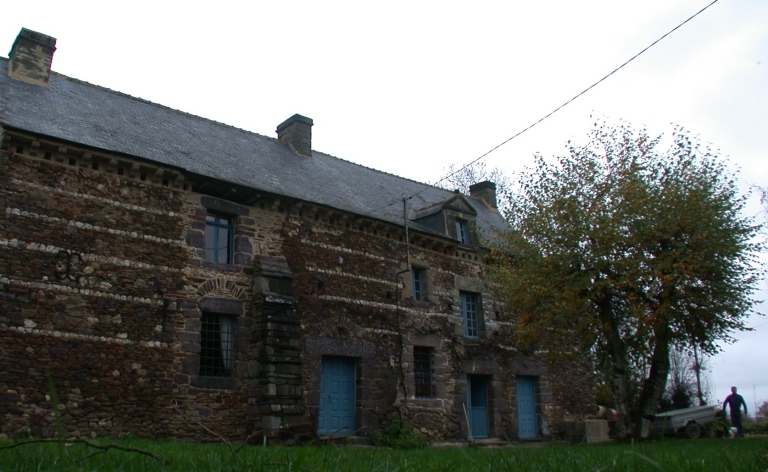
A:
x: 624, y: 250
x: 461, y: 178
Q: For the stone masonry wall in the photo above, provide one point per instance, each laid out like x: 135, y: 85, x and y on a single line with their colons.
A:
x: 103, y: 281
x: 100, y: 286
x: 348, y: 289
x: 84, y: 257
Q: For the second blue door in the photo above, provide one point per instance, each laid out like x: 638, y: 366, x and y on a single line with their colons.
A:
x: 477, y: 406
x: 526, y: 407
x: 337, y: 397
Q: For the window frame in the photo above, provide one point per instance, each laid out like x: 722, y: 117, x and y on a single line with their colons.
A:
x: 471, y: 314
x: 213, y: 248
x: 217, y: 354
x: 462, y: 231
x: 417, y: 284
x: 423, y: 384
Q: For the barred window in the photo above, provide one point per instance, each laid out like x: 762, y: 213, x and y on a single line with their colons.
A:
x: 470, y: 311
x: 217, y: 343
x: 422, y: 368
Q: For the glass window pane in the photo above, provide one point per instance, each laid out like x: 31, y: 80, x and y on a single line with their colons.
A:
x: 218, y: 239
x: 422, y: 361
x: 223, y: 246
x: 461, y: 232
x: 417, y: 291
x: 210, y: 238
x: 469, y: 310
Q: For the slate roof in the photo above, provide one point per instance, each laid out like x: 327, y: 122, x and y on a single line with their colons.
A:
x: 97, y: 117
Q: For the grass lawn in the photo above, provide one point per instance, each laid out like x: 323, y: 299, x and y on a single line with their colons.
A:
x: 749, y: 454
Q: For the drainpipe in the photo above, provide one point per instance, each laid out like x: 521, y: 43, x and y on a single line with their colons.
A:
x: 397, y: 302
x: 407, y: 238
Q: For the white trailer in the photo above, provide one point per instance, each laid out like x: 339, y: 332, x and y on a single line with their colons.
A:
x: 686, y: 421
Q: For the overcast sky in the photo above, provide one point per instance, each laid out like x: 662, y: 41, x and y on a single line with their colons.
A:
x: 411, y: 87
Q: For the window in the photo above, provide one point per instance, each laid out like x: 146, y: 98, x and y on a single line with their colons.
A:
x: 219, y: 238
x: 418, y: 284
x: 217, y: 345
x: 470, y: 311
x: 422, y: 370
x: 461, y: 231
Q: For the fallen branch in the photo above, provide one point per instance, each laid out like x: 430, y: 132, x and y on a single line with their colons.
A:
x: 199, y: 423
x: 101, y: 447
x: 289, y: 465
x: 232, y: 449
x: 245, y: 441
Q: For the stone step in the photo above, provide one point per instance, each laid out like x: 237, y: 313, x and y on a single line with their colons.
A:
x: 491, y: 442
x: 486, y: 442
x: 358, y: 440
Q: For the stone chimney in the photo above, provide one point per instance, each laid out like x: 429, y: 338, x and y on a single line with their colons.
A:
x: 485, y: 191
x: 296, y: 131
x: 31, y: 57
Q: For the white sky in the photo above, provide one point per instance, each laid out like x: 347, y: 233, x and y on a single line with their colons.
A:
x: 410, y: 87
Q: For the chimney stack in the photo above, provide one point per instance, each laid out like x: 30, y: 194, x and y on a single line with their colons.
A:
x: 31, y: 57
x: 486, y: 191
x: 296, y: 131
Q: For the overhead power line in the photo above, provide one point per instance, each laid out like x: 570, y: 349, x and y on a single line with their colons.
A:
x: 555, y: 110
x: 577, y: 95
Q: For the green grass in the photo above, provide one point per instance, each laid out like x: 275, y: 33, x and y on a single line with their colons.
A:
x: 749, y: 454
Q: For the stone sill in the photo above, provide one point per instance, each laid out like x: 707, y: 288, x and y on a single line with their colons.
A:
x: 427, y: 402
x: 222, y: 267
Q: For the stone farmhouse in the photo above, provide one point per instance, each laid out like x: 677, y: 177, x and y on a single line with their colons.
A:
x: 166, y: 270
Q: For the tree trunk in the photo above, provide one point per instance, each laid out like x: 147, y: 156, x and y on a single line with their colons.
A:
x: 654, y: 385
x: 618, y: 351
x: 699, y: 394
x: 620, y: 394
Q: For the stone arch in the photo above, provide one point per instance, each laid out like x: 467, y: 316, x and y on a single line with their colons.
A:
x: 220, y: 288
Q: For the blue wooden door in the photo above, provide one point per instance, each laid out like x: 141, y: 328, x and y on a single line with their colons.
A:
x: 337, y: 397
x: 477, y: 406
x: 526, y: 408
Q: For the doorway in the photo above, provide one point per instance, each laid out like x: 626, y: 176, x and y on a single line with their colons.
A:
x: 337, y: 396
x: 526, y: 407
x: 477, y: 406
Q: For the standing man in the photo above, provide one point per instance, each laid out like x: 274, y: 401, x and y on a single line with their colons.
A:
x: 734, y: 400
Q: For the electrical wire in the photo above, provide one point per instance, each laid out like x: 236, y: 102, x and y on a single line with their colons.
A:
x: 550, y: 113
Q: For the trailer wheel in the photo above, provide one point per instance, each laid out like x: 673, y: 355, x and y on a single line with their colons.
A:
x: 692, y: 430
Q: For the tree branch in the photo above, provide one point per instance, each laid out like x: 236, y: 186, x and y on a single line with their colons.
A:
x: 223, y: 439
x: 94, y: 445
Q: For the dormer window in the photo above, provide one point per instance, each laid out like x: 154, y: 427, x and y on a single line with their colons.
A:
x: 452, y: 217
x: 462, y: 232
